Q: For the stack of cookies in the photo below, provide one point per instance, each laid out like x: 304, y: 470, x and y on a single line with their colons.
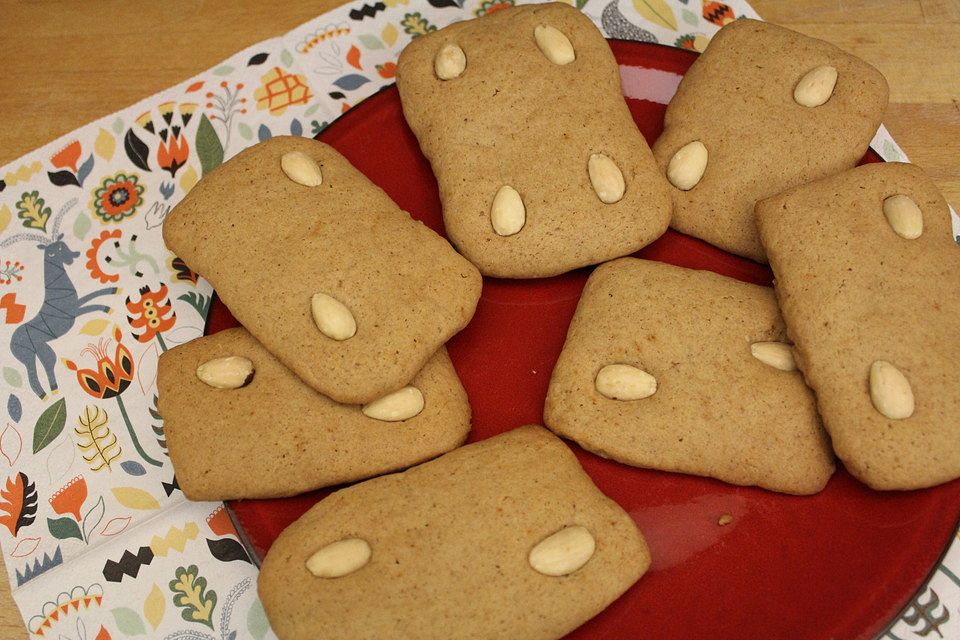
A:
x: 340, y: 372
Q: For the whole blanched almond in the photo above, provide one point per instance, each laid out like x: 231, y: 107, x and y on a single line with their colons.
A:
x: 507, y: 215
x: 687, y: 165
x: 301, y: 168
x: 230, y: 372
x: 332, y: 317
x: 450, y: 62
x: 554, y: 44
x: 904, y: 216
x: 816, y: 86
x: 775, y: 354
x: 890, y: 391
x: 625, y: 382
x: 397, y: 406
x: 339, y: 558
x: 606, y: 178
x: 563, y: 552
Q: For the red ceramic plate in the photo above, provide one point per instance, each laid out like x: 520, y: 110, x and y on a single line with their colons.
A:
x: 840, y: 564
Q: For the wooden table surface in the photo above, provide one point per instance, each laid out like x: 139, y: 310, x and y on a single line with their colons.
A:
x: 68, y: 63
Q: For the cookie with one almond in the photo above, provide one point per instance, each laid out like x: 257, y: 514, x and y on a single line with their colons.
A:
x: 323, y: 268
x: 540, y: 166
x: 868, y: 279
x: 504, y: 538
x: 763, y: 109
x: 239, y: 424
x: 687, y: 371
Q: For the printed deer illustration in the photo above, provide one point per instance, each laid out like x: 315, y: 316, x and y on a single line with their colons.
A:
x: 61, y: 305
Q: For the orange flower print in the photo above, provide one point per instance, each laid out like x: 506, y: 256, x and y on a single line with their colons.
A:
x: 110, y: 379
x: 70, y: 498
x: 152, y: 313
x: 173, y: 151
x: 279, y: 90
x: 117, y: 197
x: 67, y: 157
x: 387, y: 70
x: 93, y: 260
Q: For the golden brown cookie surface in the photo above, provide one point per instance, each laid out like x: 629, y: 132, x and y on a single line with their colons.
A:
x: 448, y: 549
x: 334, y: 279
x: 274, y: 436
x: 540, y: 166
x: 677, y: 369
x: 856, y: 292
x: 740, y: 101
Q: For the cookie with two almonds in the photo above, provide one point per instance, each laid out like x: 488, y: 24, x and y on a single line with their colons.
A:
x: 540, y: 166
x: 323, y: 268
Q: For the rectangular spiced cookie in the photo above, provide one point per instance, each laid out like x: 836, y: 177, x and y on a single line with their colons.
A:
x: 341, y: 285
x: 504, y: 538
x: 239, y: 424
x: 868, y: 278
x: 683, y: 370
x: 763, y: 109
x: 540, y: 165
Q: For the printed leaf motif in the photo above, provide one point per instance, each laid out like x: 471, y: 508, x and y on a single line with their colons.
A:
x: 227, y: 550
x: 11, y: 444
x: 14, y: 408
x: 389, y: 34
x: 64, y: 528
x: 188, y: 179
x: 690, y: 17
x: 286, y: 57
x: 190, y: 594
x: 370, y: 42
x: 353, y: 57
x: 440, y: 4
x: 85, y: 169
x: 81, y: 226
x: 351, y: 81
x: 257, y: 623
x: 196, y: 86
x: 94, y: 327
x: 312, y: 109
x: 223, y: 70
x: 260, y: 58
x: 32, y: 211
x: 147, y: 367
x: 12, y: 377
x: 5, y: 215
x: 98, y: 444
x: 137, y: 150
x: 128, y: 621
x: 133, y: 468
x: 656, y: 11
x: 49, y: 425
x: 25, y: 547
x: 105, y: 145
x: 18, y: 503
x: 296, y: 129
x: 117, y: 126
x: 263, y: 133
x: 103, y: 634
x: 93, y: 518
x: 245, y: 131
x: 59, y: 459
x: 63, y: 178
x: 115, y: 526
x: 209, y: 147
x: 134, y: 498
x: 154, y: 607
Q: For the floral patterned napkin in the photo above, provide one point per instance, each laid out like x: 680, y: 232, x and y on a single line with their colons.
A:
x: 97, y: 538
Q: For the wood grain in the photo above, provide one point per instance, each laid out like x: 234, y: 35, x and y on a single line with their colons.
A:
x: 68, y: 63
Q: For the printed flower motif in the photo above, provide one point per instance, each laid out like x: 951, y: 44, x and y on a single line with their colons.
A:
x: 153, y: 314
x: 172, y: 153
x: 112, y: 375
x: 492, y: 6
x: 693, y: 42
x: 33, y: 211
x: 67, y: 157
x: 70, y: 498
x: 93, y: 253
x: 117, y: 197
x: 279, y: 90
x: 11, y: 271
x: 416, y: 25
x: 109, y: 380
x: 387, y: 70
x: 718, y: 13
